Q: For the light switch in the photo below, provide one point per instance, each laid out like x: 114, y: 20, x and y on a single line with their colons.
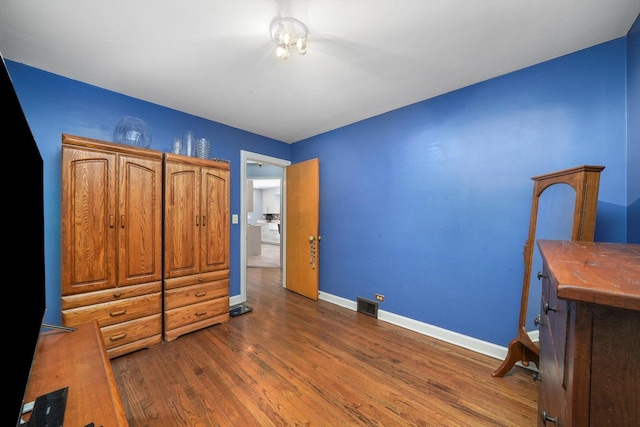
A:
x: 234, y: 219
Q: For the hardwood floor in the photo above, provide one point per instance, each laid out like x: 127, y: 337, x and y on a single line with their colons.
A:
x: 293, y: 361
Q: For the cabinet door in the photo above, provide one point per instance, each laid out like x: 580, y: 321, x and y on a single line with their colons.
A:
x: 215, y: 219
x: 88, y: 220
x: 139, y: 220
x: 182, y: 219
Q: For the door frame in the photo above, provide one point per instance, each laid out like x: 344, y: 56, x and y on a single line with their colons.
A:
x: 246, y: 156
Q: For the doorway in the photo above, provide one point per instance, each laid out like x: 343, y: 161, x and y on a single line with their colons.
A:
x: 263, y: 216
x: 246, y: 159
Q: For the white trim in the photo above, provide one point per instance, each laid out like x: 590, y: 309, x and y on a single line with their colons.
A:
x: 464, y: 341
x: 244, y: 157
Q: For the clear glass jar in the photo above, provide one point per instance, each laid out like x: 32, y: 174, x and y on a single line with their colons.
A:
x: 203, y: 148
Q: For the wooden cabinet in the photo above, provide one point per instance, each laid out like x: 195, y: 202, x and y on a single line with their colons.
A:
x: 196, y: 251
x: 589, y: 334
x: 111, y: 215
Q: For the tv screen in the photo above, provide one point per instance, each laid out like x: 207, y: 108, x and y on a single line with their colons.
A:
x: 24, y: 253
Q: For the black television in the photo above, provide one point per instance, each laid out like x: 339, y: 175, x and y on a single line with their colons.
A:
x: 24, y: 251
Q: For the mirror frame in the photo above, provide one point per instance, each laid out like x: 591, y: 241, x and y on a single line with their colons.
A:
x: 585, y: 180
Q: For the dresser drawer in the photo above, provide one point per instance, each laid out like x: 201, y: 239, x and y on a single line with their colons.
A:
x: 178, y: 282
x: 552, y: 397
x: 195, y: 312
x: 179, y: 297
x: 114, y: 312
x: 109, y: 295
x: 132, y: 330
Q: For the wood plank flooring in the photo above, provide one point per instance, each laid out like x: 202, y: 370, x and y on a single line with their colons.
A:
x: 293, y: 362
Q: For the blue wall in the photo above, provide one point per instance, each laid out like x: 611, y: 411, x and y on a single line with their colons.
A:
x: 428, y: 204
x: 55, y: 105
x: 633, y: 133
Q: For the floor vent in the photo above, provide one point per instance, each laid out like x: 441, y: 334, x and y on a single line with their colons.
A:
x: 368, y: 307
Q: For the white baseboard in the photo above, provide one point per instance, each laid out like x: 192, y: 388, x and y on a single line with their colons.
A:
x: 235, y: 300
x: 464, y: 341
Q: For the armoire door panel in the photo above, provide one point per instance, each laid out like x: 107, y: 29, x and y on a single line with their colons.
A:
x: 182, y: 219
x: 215, y: 223
x: 139, y: 220
x: 88, y: 220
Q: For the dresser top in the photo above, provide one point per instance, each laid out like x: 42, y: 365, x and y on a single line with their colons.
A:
x: 594, y: 272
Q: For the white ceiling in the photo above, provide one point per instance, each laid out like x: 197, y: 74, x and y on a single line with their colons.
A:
x: 215, y: 59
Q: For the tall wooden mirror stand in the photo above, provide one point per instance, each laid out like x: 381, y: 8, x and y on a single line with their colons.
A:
x: 585, y: 180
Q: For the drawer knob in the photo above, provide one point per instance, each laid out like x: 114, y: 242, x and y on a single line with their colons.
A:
x: 542, y: 276
x: 545, y: 417
x: 548, y: 309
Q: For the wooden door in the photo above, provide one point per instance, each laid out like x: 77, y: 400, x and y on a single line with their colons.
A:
x: 88, y: 220
x: 302, y: 213
x: 182, y: 219
x: 139, y: 220
x: 214, y: 221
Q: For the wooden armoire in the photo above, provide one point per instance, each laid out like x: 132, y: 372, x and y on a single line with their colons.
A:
x: 111, y: 216
x: 196, y: 235
x: 115, y: 199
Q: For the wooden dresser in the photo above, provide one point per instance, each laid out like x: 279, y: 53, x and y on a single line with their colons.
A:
x: 589, y: 334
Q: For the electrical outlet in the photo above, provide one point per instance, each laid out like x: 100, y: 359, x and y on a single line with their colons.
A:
x: 379, y: 297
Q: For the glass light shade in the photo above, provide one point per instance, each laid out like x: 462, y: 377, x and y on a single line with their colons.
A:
x: 282, y: 52
x: 302, y: 45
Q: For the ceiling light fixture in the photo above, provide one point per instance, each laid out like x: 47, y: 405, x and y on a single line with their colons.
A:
x: 288, y: 32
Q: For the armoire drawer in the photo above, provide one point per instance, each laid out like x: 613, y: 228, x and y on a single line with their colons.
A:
x: 114, y: 312
x: 195, y: 312
x: 109, y: 295
x: 178, y: 282
x: 132, y: 330
x: 180, y: 297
